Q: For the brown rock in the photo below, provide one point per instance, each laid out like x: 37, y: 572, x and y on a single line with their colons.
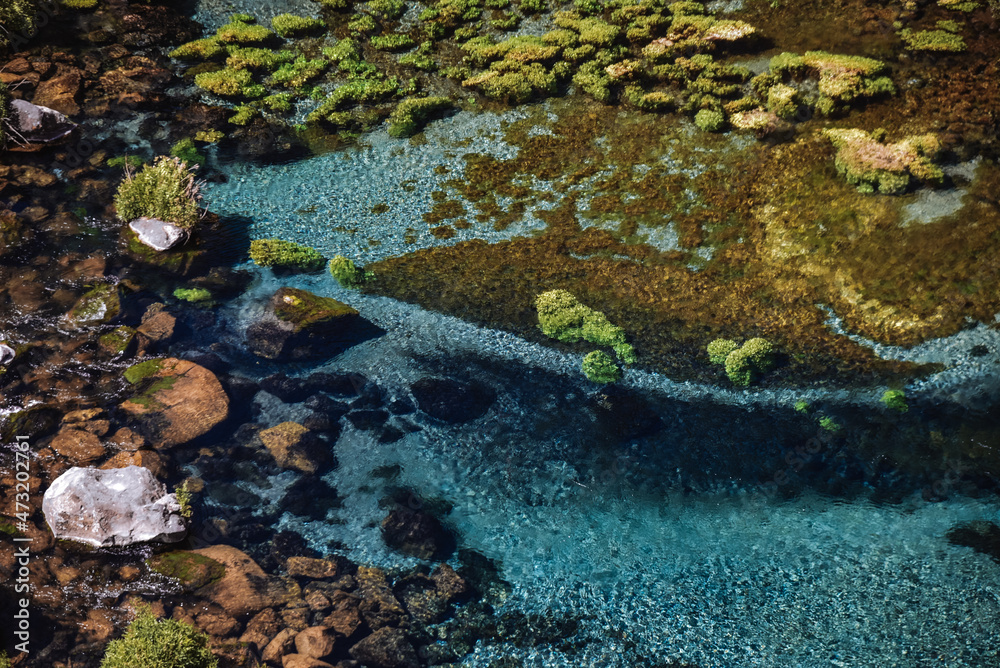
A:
x: 126, y: 439
x: 317, y: 602
x: 96, y: 427
x: 261, y: 629
x: 287, y: 444
x: 449, y: 584
x: 296, y: 617
x: 282, y: 644
x: 386, y: 648
x: 345, y: 618
x: 217, y: 623
x: 177, y: 401
x: 97, y: 627
x: 315, y: 641
x: 82, y: 415
x: 379, y: 606
x: 301, y: 661
x: 145, y: 458
x: 60, y: 91
x: 314, y: 569
x: 18, y: 66
x: 159, y: 327
x: 79, y: 446
x: 245, y: 588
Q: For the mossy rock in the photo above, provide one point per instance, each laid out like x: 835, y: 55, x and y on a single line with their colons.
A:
x: 183, y: 261
x: 98, y: 305
x: 34, y: 422
x: 193, y: 571
x: 118, y: 341
x: 303, y: 309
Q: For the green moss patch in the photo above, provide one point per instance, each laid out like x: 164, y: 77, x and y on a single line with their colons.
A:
x: 192, y: 570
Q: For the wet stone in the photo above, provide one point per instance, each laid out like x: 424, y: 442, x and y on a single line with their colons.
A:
x: 451, y: 400
x: 416, y: 533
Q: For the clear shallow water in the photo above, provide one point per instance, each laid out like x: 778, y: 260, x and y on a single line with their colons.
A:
x: 653, y: 570
x: 649, y: 567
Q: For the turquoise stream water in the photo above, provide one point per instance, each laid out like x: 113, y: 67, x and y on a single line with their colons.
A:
x: 666, y: 549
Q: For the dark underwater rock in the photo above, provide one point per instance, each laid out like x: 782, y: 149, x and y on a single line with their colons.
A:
x: 417, y: 534
x: 451, y: 400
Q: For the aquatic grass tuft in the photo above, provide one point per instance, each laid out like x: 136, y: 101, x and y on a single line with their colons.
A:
x: 281, y: 253
x: 165, y: 190
x: 159, y: 643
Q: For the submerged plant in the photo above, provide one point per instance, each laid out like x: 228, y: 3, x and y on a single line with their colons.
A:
x: 280, y: 253
x: 886, y: 168
x: 346, y: 272
x: 290, y: 25
x: 186, y: 150
x: 193, y: 295
x: 896, y: 400
x: 932, y: 40
x: 562, y: 317
x: 159, y: 643
x: 412, y: 114
x: 165, y: 190
x: 600, y: 368
x: 744, y: 363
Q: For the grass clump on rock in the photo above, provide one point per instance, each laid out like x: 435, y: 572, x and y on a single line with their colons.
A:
x: 228, y: 82
x: 412, y: 114
x: 159, y: 643
x: 290, y: 25
x: 280, y: 253
x: 242, y: 29
x: 872, y: 165
x: 165, y: 190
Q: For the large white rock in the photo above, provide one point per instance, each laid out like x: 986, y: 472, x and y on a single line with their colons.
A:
x: 157, y: 234
x: 112, y: 507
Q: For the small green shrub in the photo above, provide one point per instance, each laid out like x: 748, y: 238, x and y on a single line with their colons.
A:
x: 533, y: 6
x: 562, y: 317
x: 896, y: 400
x: 79, y: 4
x: 165, y: 190
x: 600, y: 368
x: 159, y: 643
x: 16, y: 16
x: 184, y: 498
x: 280, y: 253
x: 186, y: 150
x: 4, y: 659
x: 132, y: 161
x: 289, y: 25
x: 257, y: 59
x: 802, y: 406
x: 744, y: 363
x: 296, y: 74
x: 346, y: 272
x: 829, y: 424
x: 387, y: 9
x: 244, y: 114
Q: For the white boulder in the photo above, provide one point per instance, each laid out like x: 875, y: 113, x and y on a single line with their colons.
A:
x: 112, y: 507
